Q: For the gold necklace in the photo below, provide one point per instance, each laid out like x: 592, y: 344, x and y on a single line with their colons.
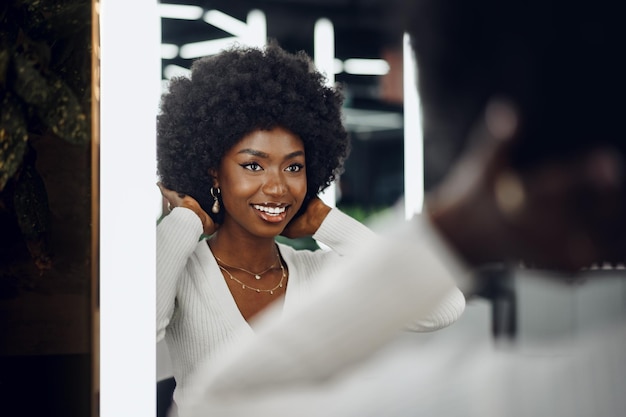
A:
x: 259, y: 290
x: 255, y: 275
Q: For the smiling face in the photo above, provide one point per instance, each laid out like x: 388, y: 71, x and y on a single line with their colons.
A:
x: 263, y: 182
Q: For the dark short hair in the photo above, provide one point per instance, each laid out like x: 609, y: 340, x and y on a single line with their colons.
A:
x: 560, y: 61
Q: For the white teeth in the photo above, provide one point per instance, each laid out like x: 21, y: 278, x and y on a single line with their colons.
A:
x: 270, y: 210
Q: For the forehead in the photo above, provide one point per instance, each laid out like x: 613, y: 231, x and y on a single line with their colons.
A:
x: 276, y: 139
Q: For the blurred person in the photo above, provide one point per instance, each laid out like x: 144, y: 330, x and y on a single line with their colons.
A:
x: 523, y: 99
x: 244, y: 146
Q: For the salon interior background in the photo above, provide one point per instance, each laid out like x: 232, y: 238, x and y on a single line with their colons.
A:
x: 366, y: 56
x: 367, y: 60
x: 351, y: 42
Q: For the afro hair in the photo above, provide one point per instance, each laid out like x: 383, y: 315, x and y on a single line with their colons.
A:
x: 236, y: 92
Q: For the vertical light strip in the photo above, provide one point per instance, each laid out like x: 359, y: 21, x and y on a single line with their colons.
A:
x: 413, y: 135
x: 324, y: 58
x: 324, y: 49
x: 257, y: 28
x: 130, y: 88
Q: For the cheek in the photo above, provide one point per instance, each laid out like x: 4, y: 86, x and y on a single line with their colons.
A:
x: 298, y: 188
x: 239, y: 186
x: 234, y: 191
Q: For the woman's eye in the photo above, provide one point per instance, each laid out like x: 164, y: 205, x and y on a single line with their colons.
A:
x: 295, y: 168
x: 252, y: 166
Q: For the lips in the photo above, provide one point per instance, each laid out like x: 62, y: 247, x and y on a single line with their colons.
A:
x: 271, y: 213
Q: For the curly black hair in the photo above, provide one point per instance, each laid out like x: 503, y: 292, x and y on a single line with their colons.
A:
x: 236, y: 92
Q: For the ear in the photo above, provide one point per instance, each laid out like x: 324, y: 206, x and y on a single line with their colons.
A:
x: 213, y: 174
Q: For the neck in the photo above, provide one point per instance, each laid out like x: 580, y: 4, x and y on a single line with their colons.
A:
x: 254, y: 254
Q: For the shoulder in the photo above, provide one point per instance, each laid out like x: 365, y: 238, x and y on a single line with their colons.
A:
x: 339, y: 226
x: 180, y: 223
x: 297, y: 255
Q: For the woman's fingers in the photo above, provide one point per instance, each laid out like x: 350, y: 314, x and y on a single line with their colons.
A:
x: 174, y: 198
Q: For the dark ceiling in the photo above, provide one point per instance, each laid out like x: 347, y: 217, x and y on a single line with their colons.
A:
x: 362, y: 30
x: 362, y: 27
x: 374, y: 172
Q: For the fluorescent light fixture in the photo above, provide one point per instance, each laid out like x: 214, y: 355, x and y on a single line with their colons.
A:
x: 127, y: 289
x: 180, y: 11
x: 413, y: 140
x: 358, y: 66
x: 324, y: 59
x: 205, y: 48
x: 324, y: 49
x: 171, y: 71
x: 361, y: 120
x: 226, y: 22
x: 337, y: 66
x: 257, y: 29
x: 169, y: 51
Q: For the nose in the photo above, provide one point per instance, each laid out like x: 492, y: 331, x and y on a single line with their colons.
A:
x: 275, y: 184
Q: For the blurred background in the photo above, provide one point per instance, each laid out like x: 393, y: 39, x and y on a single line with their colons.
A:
x: 47, y: 280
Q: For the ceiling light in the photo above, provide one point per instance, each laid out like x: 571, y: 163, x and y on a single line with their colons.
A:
x: 338, y: 66
x: 324, y: 49
x: 362, y: 120
x: 226, y: 23
x: 413, y: 139
x: 324, y: 59
x: 257, y: 28
x: 180, y: 11
x: 205, y: 48
x: 171, y: 71
x: 169, y: 51
x: 358, y: 66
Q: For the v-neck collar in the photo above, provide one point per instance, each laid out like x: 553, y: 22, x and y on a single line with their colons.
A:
x: 220, y: 287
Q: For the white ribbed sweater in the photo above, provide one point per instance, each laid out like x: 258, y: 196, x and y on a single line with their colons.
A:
x: 196, y: 313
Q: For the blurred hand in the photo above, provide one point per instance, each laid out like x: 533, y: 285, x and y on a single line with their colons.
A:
x: 175, y: 199
x: 307, y: 223
x: 560, y: 214
x: 575, y: 211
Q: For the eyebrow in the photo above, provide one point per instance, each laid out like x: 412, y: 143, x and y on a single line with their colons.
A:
x: 254, y: 152
x: 261, y: 154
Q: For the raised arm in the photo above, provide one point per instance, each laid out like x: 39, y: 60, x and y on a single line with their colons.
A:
x: 178, y: 234
x: 346, y: 236
x: 177, y: 237
x: 331, y: 227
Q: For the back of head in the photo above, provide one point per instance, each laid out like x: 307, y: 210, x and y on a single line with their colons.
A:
x: 558, y: 61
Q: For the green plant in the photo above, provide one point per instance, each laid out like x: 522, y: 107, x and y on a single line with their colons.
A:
x: 45, y: 90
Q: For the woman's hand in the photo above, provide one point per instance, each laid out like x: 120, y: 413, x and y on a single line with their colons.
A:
x: 307, y: 223
x: 175, y: 199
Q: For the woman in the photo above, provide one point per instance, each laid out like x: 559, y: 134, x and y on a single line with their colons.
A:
x: 244, y: 147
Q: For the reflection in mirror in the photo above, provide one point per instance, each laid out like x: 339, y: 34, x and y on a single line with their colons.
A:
x: 362, y: 113
x: 353, y: 47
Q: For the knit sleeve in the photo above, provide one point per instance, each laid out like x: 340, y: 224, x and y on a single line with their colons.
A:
x: 372, y: 297
x: 345, y: 235
x: 342, y: 233
x: 177, y: 237
x: 448, y: 310
x: 451, y: 305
